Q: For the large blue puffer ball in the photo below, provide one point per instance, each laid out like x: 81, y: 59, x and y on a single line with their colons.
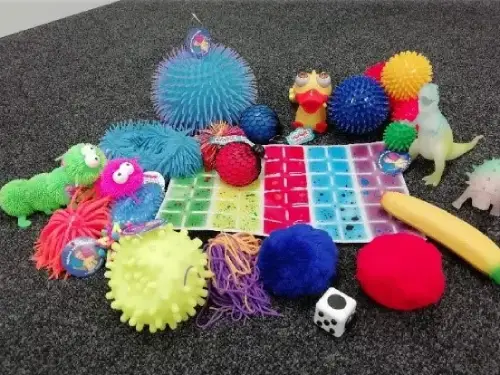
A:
x: 260, y: 123
x: 190, y: 93
x: 358, y: 105
x: 297, y: 261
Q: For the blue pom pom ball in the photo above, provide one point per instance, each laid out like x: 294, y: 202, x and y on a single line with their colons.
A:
x: 190, y: 92
x: 358, y: 105
x: 297, y: 261
x: 156, y: 147
x: 260, y: 123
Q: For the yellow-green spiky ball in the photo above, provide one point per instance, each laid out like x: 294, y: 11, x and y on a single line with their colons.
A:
x: 157, y: 278
x: 404, y: 75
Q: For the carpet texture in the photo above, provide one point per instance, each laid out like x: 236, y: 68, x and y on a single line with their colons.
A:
x: 61, y: 83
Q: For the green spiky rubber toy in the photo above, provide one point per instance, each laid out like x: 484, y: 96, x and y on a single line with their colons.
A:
x: 399, y: 135
x: 46, y: 192
x: 157, y: 278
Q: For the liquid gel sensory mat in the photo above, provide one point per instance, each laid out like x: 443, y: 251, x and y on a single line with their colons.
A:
x: 334, y: 188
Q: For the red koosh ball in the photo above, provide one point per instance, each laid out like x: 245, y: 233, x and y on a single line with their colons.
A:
x: 237, y: 164
x: 404, y: 109
x: 401, y: 271
x: 375, y: 71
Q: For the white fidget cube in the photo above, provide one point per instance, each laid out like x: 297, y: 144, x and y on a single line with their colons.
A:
x: 334, y: 311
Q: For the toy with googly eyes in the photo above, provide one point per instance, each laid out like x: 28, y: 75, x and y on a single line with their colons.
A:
x: 311, y: 92
x: 120, y: 178
x: 46, y: 192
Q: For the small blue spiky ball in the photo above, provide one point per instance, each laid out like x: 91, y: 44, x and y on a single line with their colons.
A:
x: 190, y: 93
x: 358, y: 105
x: 260, y: 123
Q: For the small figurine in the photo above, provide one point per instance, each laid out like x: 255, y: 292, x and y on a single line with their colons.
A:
x: 484, y: 187
x: 435, y: 138
x: 334, y: 312
x: 311, y: 91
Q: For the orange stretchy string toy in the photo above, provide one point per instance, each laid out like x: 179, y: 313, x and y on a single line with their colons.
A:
x: 85, y: 219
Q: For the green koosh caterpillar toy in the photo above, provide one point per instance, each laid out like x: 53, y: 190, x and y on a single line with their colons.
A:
x: 46, y: 192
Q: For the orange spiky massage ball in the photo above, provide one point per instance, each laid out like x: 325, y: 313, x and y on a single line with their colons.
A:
x: 404, y: 75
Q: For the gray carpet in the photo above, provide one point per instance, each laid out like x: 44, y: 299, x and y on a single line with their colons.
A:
x: 61, y: 83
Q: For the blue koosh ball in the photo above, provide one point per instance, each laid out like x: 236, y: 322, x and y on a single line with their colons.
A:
x: 260, y: 123
x: 297, y: 261
x: 189, y: 92
x: 358, y: 105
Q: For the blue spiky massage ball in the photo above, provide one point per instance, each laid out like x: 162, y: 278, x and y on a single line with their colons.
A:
x: 191, y: 92
x: 358, y: 105
x: 260, y: 123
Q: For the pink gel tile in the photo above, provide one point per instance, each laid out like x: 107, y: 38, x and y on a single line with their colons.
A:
x: 360, y: 151
x: 294, y: 152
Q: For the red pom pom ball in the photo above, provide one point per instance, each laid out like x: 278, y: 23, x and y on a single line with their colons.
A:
x: 375, y: 71
x: 404, y: 110
x: 401, y: 271
x: 237, y: 164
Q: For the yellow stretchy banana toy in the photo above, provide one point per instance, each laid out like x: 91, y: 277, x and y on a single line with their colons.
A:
x: 460, y: 237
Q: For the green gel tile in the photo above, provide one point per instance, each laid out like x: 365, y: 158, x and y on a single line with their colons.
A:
x: 187, y: 181
x: 205, y: 181
x: 179, y: 192
x: 196, y: 220
x: 202, y: 194
x: 173, y: 205
x: 199, y: 205
x: 172, y: 217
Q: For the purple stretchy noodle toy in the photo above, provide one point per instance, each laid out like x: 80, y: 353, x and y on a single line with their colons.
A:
x: 235, y: 289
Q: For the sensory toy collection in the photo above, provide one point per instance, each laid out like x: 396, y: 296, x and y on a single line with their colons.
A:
x: 278, y: 208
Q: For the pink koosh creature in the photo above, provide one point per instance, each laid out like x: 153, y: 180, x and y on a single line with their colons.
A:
x: 120, y: 178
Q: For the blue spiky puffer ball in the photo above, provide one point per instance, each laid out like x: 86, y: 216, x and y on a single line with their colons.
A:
x: 260, y: 123
x: 190, y: 93
x: 297, y: 261
x: 358, y: 105
x: 156, y: 147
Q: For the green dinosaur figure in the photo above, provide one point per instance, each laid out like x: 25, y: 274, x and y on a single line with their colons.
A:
x: 435, y: 138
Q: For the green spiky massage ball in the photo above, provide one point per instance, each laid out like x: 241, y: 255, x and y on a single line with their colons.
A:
x: 399, y: 135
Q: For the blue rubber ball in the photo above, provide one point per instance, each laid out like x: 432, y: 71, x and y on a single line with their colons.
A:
x: 190, y: 93
x: 297, y: 261
x: 260, y: 123
x: 358, y: 105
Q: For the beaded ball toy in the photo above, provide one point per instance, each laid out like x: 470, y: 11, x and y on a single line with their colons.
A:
x: 260, y: 123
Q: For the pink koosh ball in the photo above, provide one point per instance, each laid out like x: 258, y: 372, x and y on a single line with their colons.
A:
x: 120, y: 178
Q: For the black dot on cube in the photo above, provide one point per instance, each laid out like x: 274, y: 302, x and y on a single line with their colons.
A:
x: 331, y: 330
x: 321, y: 314
x: 319, y: 323
x: 333, y: 321
x: 326, y: 322
x: 337, y: 302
